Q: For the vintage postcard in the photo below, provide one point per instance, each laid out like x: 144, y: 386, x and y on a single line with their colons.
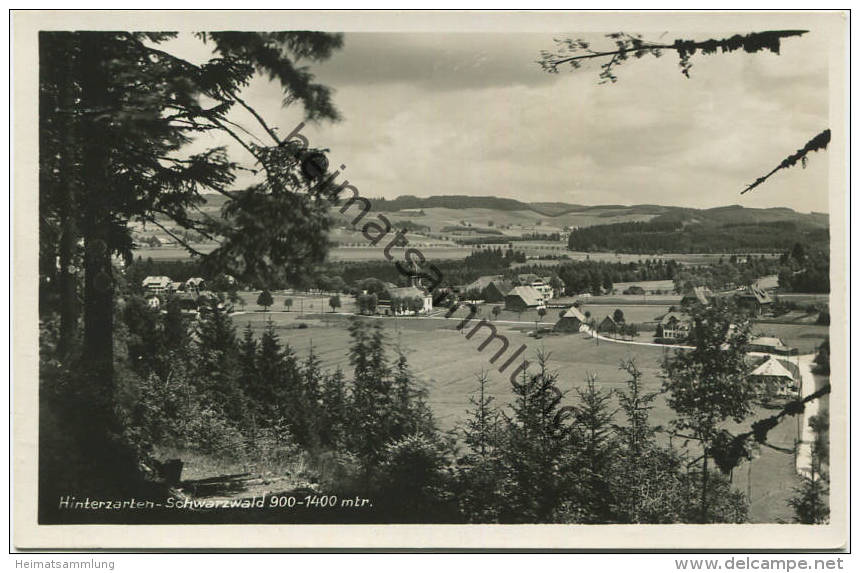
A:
x: 428, y: 280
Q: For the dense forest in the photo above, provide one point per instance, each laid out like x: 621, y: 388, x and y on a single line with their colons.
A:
x: 805, y: 270
x: 674, y: 234
x: 597, y: 277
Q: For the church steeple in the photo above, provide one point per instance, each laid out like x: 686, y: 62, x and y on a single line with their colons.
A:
x: 415, y: 278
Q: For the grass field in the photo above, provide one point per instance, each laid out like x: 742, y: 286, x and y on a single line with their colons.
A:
x: 371, y: 253
x: 804, y: 337
x: 623, y: 299
x: 524, y: 220
x: 638, y: 314
x: 804, y: 298
x: 649, y: 286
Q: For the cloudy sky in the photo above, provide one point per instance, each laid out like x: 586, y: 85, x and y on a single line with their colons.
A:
x: 431, y: 114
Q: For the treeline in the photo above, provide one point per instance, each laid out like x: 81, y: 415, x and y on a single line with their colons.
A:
x: 805, y: 269
x: 448, y: 202
x: 478, y: 263
x: 409, y: 225
x: 141, y: 268
x: 667, y: 236
x: 469, y: 229
x: 600, y: 276
x: 727, y: 272
x: 800, y: 269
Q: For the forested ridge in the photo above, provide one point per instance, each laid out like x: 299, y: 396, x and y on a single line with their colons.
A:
x: 718, y: 231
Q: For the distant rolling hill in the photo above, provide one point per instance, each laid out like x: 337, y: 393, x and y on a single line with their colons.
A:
x: 723, y: 229
x: 448, y: 218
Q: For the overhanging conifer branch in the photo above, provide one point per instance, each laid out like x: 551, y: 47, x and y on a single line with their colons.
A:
x: 817, y: 143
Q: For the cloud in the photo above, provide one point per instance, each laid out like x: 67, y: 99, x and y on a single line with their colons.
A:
x: 428, y: 114
x: 437, y: 62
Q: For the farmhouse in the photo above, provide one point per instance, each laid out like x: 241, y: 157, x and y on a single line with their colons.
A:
x: 156, y: 285
x: 523, y: 297
x: 771, y: 345
x: 674, y: 326
x: 540, y: 284
x: 608, y: 324
x: 189, y: 302
x: 571, y: 320
x: 496, y: 290
x: 407, y: 300
x: 697, y: 295
x: 754, y: 299
x: 492, y: 288
x: 776, y: 378
x: 195, y: 284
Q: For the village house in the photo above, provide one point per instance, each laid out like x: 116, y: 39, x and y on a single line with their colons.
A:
x: 771, y: 345
x: 754, y: 299
x: 558, y: 288
x: 408, y: 300
x: 522, y: 298
x: 540, y: 284
x: 496, y: 290
x: 195, y: 284
x: 776, y: 378
x: 609, y: 325
x: 697, y: 295
x: 570, y: 320
x: 156, y: 285
x: 492, y: 288
x: 188, y: 302
x: 673, y: 327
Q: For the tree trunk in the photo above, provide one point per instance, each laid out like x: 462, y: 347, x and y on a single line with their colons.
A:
x: 97, y: 355
x: 68, y: 230
x: 705, y: 487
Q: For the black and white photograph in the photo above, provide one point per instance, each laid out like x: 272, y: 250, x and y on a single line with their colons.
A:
x: 461, y: 269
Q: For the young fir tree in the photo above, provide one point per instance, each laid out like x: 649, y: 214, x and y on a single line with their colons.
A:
x: 415, y: 482
x: 144, y: 343
x: 217, y: 362
x: 175, y: 328
x: 270, y: 388
x: 372, y: 398
x: 481, y: 472
x: 410, y: 411
x: 248, y: 375
x: 539, y: 453
x: 637, y: 435
x: 645, y: 479
x: 335, y: 410
x: 598, y: 448
x: 311, y: 378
